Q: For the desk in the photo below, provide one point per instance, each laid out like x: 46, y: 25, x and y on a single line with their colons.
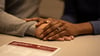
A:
x: 81, y: 46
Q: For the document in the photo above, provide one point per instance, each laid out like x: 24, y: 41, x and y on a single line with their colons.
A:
x: 19, y: 48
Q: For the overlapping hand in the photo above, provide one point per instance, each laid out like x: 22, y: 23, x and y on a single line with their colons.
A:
x: 54, y: 29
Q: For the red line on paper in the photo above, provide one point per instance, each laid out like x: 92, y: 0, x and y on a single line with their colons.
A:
x: 35, y: 46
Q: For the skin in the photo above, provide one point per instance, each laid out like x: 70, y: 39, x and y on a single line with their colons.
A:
x: 48, y: 30
x: 42, y: 27
x: 70, y: 29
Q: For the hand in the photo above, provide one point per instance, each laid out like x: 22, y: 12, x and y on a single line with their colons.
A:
x: 69, y: 29
x: 41, y: 25
x: 39, y: 20
x: 39, y: 30
x: 50, y: 30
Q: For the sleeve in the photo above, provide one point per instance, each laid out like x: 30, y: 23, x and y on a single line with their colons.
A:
x: 69, y: 18
x: 12, y: 25
x: 31, y: 30
x: 96, y: 26
x: 69, y: 11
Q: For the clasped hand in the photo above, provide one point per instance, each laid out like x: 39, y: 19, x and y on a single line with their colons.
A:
x: 54, y: 29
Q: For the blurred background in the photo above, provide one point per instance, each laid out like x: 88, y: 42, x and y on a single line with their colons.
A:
x: 51, y: 8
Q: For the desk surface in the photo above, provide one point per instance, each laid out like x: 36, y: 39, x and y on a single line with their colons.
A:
x: 81, y: 46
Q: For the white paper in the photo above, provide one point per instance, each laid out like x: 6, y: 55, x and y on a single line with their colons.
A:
x: 25, y: 50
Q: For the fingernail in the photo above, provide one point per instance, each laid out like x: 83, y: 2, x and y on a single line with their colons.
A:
x: 44, y: 39
x: 72, y: 37
x: 50, y: 38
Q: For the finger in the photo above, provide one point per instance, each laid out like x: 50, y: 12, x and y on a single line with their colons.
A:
x: 50, y: 34
x: 42, y: 21
x: 72, y: 37
x: 65, y: 38
x: 55, y: 31
x: 39, y: 23
x: 47, y: 29
x: 61, y: 34
x: 54, y: 37
x: 41, y: 34
x: 60, y: 39
x: 32, y: 19
x: 51, y: 29
x: 50, y: 20
x: 68, y: 38
x: 39, y: 30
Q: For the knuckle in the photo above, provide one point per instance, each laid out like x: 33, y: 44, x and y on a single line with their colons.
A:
x: 62, y: 33
x: 56, y: 36
x: 51, y: 34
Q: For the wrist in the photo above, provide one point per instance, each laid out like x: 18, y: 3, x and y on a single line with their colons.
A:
x: 31, y: 29
x: 85, y: 28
